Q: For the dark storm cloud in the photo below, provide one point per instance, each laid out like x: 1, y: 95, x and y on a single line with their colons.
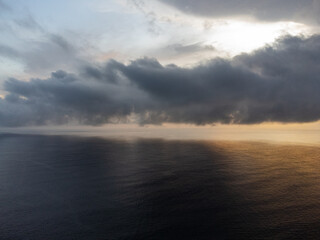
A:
x: 280, y: 82
x: 270, y: 10
x: 62, y: 98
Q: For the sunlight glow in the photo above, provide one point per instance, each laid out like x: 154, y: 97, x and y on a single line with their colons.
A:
x: 235, y: 37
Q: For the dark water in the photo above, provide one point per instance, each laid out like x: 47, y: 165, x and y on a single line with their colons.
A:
x: 89, y: 188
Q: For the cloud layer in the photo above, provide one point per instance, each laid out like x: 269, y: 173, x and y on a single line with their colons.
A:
x: 269, y: 10
x: 280, y: 82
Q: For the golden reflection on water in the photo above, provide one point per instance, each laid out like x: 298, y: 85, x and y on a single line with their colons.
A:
x: 278, y: 179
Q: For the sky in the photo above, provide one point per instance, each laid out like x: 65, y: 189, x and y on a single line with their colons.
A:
x: 205, y: 62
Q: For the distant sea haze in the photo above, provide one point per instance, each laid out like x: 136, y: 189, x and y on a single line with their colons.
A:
x: 67, y: 187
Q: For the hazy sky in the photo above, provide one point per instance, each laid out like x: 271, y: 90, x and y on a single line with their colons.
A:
x: 156, y: 61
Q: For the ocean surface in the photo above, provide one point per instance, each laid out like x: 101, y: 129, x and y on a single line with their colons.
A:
x: 65, y: 187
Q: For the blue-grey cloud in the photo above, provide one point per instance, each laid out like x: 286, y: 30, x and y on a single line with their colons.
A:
x: 4, y: 6
x: 52, y: 52
x: 181, y: 49
x: 28, y: 22
x: 36, y: 48
x: 279, y: 82
x: 268, y: 10
x: 186, y: 52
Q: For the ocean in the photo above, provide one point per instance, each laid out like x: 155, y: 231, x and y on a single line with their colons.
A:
x: 73, y: 187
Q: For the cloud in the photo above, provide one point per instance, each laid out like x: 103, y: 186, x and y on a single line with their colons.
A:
x: 189, y: 48
x: 186, y: 53
x: 267, y: 10
x: 8, y: 52
x: 4, y: 7
x: 149, y: 15
x: 26, y: 43
x: 28, y: 22
x: 279, y: 82
x: 52, y: 52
